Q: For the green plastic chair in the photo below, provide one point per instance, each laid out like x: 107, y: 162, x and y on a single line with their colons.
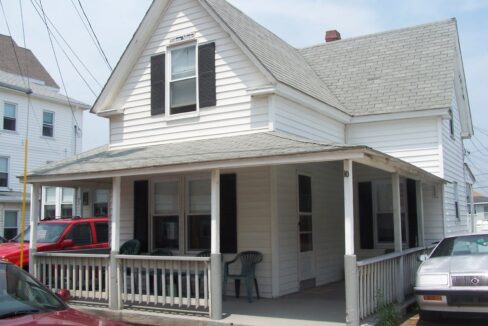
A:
x: 162, y: 252
x: 249, y: 260
x: 205, y: 253
x: 131, y: 247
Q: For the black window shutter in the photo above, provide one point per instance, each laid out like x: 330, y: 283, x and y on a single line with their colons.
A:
x: 366, y: 231
x: 158, y: 86
x: 206, y: 75
x: 412, y: 213
x: 141, y: 213
x: 228, y: 214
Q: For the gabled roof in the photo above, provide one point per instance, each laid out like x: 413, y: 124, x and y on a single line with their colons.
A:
x: 31, y: 67
x: 409, y: 69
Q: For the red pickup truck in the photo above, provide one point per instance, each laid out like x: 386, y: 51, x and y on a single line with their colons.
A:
x: 56, y: 235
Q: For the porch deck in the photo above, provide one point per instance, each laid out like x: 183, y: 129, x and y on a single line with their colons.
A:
x: 324, y: 305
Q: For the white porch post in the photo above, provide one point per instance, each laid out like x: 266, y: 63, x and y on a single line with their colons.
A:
x: 350, y: 267
x: 397, y: 226
x: 34, y: 219
x: 420, y: 213
x: 114, y: 301
x: 216, y: 257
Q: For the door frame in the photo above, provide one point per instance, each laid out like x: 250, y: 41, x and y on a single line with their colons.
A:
x: 298, y: 213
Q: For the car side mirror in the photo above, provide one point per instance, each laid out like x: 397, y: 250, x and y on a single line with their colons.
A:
x: 66, y: 243
x: 423, y: 258
x: 63, y: 294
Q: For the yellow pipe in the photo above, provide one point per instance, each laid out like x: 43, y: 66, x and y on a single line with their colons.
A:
x: 22, y: 227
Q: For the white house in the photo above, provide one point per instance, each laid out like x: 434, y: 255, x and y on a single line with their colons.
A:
x: 32, y: 106
x: 338, y: 161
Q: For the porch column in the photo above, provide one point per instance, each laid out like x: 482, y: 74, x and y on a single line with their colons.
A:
x: 215, y: 257
x: 114, y: 301
x: 397, y: 227
x: 420, y: 213
x: 34, y: 219
x: 350, y: 267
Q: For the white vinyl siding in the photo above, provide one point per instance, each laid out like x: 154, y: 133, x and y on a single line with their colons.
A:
x: 415, y: 141
x: 236, y: 112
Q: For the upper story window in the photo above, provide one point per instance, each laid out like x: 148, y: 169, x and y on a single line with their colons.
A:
x: 48, y: 124
x: 183, y: 80
x: 9, y: 116
x: 3, y: 172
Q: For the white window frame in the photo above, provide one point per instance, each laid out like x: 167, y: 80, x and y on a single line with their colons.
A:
x: 16, y: 110
x: 404, y: 210
x: 42, y: 126
x: 8, y: 173
x: 168, y: 79
x: 17, y: 212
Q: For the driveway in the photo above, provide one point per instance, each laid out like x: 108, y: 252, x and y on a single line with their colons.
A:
x: 414, y: 321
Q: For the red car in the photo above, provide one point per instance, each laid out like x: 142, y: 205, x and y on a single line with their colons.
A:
x: 56, y: 235
x: 25, y: 301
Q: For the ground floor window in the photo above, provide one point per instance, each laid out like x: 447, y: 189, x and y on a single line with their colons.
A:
x: 100, y: 203
x: 10, y: 228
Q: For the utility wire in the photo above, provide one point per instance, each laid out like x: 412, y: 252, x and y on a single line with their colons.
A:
x: 35, y: 4
x: 57, y: 64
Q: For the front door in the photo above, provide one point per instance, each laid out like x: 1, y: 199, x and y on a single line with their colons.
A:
x: 305, y: 229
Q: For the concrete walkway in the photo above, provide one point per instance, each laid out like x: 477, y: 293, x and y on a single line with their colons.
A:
x: 324, y: 306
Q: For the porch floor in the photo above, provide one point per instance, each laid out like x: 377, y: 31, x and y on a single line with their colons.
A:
x: 324, y: 306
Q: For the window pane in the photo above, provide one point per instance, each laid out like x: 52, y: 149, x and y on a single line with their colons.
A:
x: 10, y: 233
x: 47, y: 118
x: 102, y: 232
x: 100, y: 209
x: 10, y: 219
x: 166, y: 198
x: 306, y: 243
x: 47, y: 131
x: 305, y: 193
x: 49, y: 211
x: 305, y: 223
x: 183, y: 95
x: 183, y: 63
x: 3, y: 179
x: 50, y: 194
x: 199, y: 193
x: 101, y: 196
x: 9, y: 111
x: 385, y: 227
x: 67, y: 210
x: 68, y: 195
x: 3, y: 165
x: 199, y: 232
x: 9, y: 124
x: 385, y: 197
x: 80, y: 234
x: 166, y: 232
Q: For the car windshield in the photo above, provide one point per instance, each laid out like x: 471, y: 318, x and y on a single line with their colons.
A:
x: 46, y: 232
x: 464, y: 245
x: 20, y: 294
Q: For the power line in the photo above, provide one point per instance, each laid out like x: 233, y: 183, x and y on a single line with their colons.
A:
x: 57, y: 64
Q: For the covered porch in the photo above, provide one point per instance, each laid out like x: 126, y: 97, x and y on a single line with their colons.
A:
x: 299, y: 203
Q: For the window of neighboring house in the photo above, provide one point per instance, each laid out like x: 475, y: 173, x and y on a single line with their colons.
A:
x: 10, y: 229
x: 456, y: 200
x: 166, y: 215
x: 48, y: 124
x: 3, y: 172
x: 183, y: 80
x: 468, y: 197
x: 451, y: 124
x: 49, y: 203
x: 9, y: 116
x: 100, y: 203
x: 383, y: 208
x: 80, y: 234
x: 198, y: 214
x: 67, y: 200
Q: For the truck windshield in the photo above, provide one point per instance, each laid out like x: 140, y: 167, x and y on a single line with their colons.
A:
x: 461, y: 246
x: 46, y: 233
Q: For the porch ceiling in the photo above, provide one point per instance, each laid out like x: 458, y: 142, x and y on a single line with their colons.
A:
x: 257, y: 149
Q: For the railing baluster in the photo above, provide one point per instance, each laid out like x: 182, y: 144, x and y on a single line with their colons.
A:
x: 197, y: 286
x: 180, y: 287
x: 132, y: 285
x: 155, y: 281
x: 188, y: 289
x: 148, y: 292
x: 163, y: 281
x: 171, y: 284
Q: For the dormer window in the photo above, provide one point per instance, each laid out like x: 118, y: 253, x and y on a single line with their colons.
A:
x: 183, y: 80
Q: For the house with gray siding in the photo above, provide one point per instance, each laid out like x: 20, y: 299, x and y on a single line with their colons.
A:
x: 339, y: 162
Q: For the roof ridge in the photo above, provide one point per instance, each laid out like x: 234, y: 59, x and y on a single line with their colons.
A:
x: 390, y: 31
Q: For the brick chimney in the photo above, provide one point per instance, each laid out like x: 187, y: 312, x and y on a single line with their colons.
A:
x: 332, y: 35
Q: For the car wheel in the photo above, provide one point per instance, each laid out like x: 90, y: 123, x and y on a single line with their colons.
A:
x: 429, y: 315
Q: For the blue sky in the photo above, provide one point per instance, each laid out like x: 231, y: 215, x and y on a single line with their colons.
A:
x: 301, y: 23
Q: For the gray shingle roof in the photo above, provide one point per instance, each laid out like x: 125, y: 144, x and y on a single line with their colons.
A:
x: 28, y: 62
x: 256, y: 145
x: 281, y: 60
x: 409, y: 69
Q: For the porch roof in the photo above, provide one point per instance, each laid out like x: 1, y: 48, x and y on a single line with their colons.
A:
x: 256, y: 149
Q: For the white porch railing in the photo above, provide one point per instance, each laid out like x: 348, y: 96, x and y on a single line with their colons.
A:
x: 171, y: 283
x: 84, y: 275
x: 378, y: 278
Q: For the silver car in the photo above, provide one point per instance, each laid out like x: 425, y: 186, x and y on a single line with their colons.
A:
x: 454, y: 278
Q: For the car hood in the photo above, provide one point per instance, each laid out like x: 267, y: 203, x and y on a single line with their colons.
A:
x: 456, y: 264
x: 69, y: 317
x: 13, y: 248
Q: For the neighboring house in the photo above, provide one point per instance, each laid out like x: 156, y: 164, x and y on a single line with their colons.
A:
x: 480, y: 212
x: 223, y: 137
x: 31, y: 104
